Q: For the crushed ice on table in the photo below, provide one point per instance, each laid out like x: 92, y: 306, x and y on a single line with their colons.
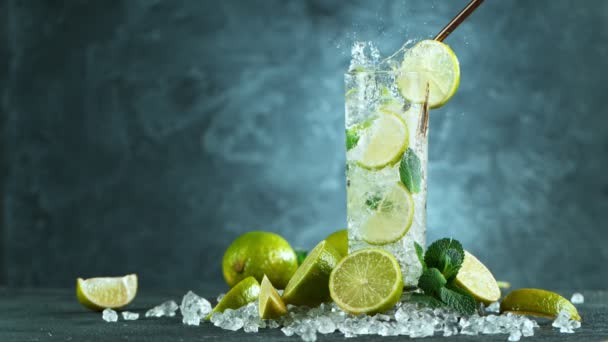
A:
x: 406, y: 319
x: 194, y: 308
x: 246, y: 317
x: 129, y: 316
x: 577, y: 298
x: 109, y: 315
x: 493, y: 308
x: 167, y: 309
x: 565, y: 323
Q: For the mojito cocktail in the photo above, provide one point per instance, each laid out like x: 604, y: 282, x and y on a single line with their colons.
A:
x: 387, y: 143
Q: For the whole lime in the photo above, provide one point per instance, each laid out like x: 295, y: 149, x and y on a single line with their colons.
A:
x: 258, y: 253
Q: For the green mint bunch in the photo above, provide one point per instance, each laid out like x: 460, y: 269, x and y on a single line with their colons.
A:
x: 440, y: 265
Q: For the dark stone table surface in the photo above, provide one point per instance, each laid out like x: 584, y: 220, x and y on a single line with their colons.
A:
x: 55, y: 315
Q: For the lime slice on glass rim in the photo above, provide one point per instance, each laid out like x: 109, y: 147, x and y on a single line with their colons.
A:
x: 106, y: 292
x: 367, y: 281
x: 391, y: 219
x: 387, y: 139
x: 429, y: 62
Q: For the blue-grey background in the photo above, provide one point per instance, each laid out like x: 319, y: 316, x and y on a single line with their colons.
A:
x: 143, y: 136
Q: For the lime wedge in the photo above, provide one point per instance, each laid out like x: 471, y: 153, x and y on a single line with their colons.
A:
x: 339, y: 239
x: 107, y: 292
x: 387, y: 139
x: 433, y: 63
x: 367, y: 281
x: 243, y: 293
x: 475, y: 278
x: 308, y: 286
x: 271, y: 305
x: 392, y: 218
x: 536, y: 302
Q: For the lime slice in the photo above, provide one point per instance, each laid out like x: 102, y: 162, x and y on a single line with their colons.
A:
x: 536, y: 302
x: 433, y: 63
x: 392, y: 106
x: 243, y: 293
x: 367, y: 281
x: 106, y: 292
x: 388, y: 139
x: 339, y: 239
x: 271, y: 305
x: 475, y: 278
x: 392, y: 218
x: 308, y: 286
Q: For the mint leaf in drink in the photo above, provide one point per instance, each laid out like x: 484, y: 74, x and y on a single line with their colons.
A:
x: 446, y: 255
x: 420, y: 254
x: 431, y: 282
x: 352, y: 138
x: 460, y: 301
x: 353, y: 134
x: 373, y: 201
x: 410, y: 171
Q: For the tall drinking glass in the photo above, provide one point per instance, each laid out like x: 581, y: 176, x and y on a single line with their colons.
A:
x: 386, y: 167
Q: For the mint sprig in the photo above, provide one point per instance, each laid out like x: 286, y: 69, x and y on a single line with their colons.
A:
x: 440, y: 265
x: 446, y: 255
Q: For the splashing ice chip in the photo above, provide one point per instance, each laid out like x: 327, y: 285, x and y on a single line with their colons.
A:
x: 577, y: 298
x: 109, y: 315
x: 129, y: 316
x: 194, y: 308
x: 166, y: 309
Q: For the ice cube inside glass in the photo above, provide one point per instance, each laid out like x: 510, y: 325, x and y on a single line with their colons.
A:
x: 386, y: 167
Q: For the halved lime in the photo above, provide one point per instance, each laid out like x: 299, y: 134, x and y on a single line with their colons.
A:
x: 387, y: 139
x: 475, y: 278
x: 537, y: 302
x: 243, y: 293
x: 392, y: 219
x: 429, y: 62
x: 106, y: 292
x: 367, y: 281
x: 309, y: 285
x: 271, y: 305
x: 339, y: 239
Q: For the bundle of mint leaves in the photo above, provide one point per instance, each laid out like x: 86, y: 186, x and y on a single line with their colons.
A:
x: 440, y: 265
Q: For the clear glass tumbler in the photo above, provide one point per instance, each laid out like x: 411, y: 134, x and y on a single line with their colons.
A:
x: 386, y: 168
